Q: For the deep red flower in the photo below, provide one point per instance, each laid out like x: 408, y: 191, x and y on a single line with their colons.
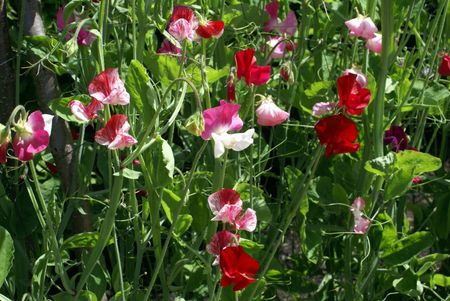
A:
x: 210, y: 29
x: 338, y: 133
x: 51, y: 167
x: 444, y: 68
x: 231, y: 88
x: 247, y: 68
x: 237, y: 267
x: 352, y: 97
x: 396, y: 137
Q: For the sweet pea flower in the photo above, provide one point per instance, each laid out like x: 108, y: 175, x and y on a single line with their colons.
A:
x: 4, y: 141
x: 361, y: 78
x: 352, y: 97
x: 288, y: 26
x: 183, y: 23
x: 323, y: 108
x: 84, y: 38
x: 269, y: 114
x: 231, y: 87
x: 236, y: 142
x: 444, y: 67
x: 219, y: 241
x: 85, y: 113
x: 168, y: 48
x: 361, y: 27
x: 279, y: 46
x: 108, y: 88
x: 338, y: 133
x: 396, y: 137
x: 246, y: 67
x: 361, y: 224
x: 237, y: 267
x: 210, y: 29
x: 115, y: 133
x: 374, y: 44
x: 32, y: 136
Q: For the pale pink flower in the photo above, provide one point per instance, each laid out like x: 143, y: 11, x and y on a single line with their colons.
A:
x: 236, y: 142
x: 115, y: 133
x: 219, y: 241
x: 4, y: 141
x: 362, y: 27
x: 374, y: 44
x: 361, y: 224
x: 269, y: 114
x: 32, y: 136
x: 108, y: 88
x: 183, y: 24
x: 361, y: 78
x: 84, y: 38
x: 221, y: 119
x: 85, y: 113
x: 280, y: 47
x: 247, y: 221
x: 322, y: 108
x: 288, y: 26
x: 168, y: 48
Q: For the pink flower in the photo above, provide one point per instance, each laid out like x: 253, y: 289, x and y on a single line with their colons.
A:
x: 246, y: 67
x: 269, y: 114
x: 220, y: 241
x: 322, y: 108
x: 183, y: 23
x: 221, y: 119
x: 85, y: 113
x: 280, y: 48
x: 417, y: 180
x: 168, y: 48
x: 108, y: 88
x: 361, y: 223
x: 288, y: 26
x: 226, y: 206
x: 115, y: 133
x: 361, y: 27
x: 361, y: 78
x: 374, y: 44
x: 4, y: 140
x: 84, y: 38
x: 32, y: 136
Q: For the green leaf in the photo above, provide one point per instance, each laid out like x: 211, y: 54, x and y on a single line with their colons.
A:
x: 250, y: 244
x: 417, y: 162
x: 170, y: 203
x: 161, y: 163
x: 60, y: 106
x: 318, y: 87
x: 6, y: 254
x: 408, y: 284
x: 129, y: 174
x: 182, y: 224
x: 389, y: 234
x: 381, y: 165
x: 399, y: 184
x: 435, y: 257
x: 435, y: 94
x: 259, y: 204
x: 163, y: 68
x: 404, y: 249
x: 83, y: 240
x: 441, y: 280
x: 142, y: 93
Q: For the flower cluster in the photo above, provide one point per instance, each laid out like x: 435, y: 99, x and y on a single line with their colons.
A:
x: 237, y: 266
x: 338, y: 132
x: 365, y: 28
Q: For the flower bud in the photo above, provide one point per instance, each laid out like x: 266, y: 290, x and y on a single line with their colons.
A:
x: 195, y: 124
x: 286, y: 73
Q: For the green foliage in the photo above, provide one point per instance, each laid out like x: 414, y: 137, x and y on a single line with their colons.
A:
x: 6, y: 254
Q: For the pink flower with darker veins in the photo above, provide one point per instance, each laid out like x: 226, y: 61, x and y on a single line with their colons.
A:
x: 269, y: 114
x: 32, y: 136
x: 219, y: 241
x: 115, y: 133
x: 323, y: 108
x: 362, y: 27
x: 85, y: 113
x: 361, y: 223
x: 108, y: 88
x: 183, y: 24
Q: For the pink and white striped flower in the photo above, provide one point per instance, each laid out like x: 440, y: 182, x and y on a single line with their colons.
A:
x: 220, y: 241
x: 85, y: 113
x: 108, y: 88
x: 115, y: 133
x: 322, y: 108
x: 32, y: 136
x: 183, y: 24
x: 361, y: 78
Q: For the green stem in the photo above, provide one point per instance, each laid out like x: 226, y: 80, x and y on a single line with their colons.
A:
x: 174, y: 222
x: 119, y: 265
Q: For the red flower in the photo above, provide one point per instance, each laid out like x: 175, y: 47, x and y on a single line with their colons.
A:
x: 338, y: 133
x: 237, y: 267
x: 444, y: 68
x: 246, y: 67
x: 352, y: 96
x: 210, y: 29
x: 231, y: 88
x: 51, y: 167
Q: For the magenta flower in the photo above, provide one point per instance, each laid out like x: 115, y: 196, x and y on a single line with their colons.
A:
x: 85, y: 113
x: 84, y: 38
x: 269, y: 114
x: 4, y: 141
x: 108, y: 88
x: 374, y: 44
x: 361, y: 223
x: 288, y: 26
x: 32, y: 136
x: 220, y: 241
x: 361, y: 78
x: 168, y: 48
x: 362, y: 27
x: 323, y: 108
x: 115, y: 133
x: 183, y: 24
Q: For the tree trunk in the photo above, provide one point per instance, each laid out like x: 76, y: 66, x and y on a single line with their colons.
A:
x: 7, y: 82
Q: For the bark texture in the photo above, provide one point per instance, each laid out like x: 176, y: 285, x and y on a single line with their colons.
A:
x: 7, y: 76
